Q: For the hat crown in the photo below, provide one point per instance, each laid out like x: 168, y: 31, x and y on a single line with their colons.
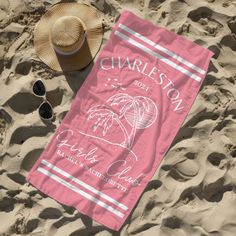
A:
x: 67, y: 34
x: 60, y: 54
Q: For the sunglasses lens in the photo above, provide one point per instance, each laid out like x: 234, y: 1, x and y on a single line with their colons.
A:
x: 45, y: 111
x: 39, y: 88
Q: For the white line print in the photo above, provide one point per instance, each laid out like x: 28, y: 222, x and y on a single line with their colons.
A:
x: 115, y: 144
x: 140, y: 112
x: 116, y: 85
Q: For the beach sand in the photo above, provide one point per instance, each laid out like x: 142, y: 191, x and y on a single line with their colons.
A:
x: 193, y: 191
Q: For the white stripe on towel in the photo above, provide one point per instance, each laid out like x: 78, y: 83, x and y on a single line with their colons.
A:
x: 83, y: 184
x: 162, y: 49
x: 81, y: 192
x: 160, y: 57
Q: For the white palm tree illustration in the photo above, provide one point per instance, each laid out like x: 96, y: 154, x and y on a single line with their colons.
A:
x: 105, y: 118
x: 135, y: 106
x: 126, y: 103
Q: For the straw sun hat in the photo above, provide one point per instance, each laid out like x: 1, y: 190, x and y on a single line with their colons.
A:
x: 68, y: 36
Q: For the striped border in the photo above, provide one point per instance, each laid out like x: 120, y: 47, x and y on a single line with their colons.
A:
x: 81, y: 192
x: 77, y: 190
x: 157, y: 55
x: 83, y: 184
x: 162, y: 49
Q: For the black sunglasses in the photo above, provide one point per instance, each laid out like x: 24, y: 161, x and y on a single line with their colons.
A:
x: 45, y: 108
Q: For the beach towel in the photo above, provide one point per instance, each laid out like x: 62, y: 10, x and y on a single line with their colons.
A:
x: 122, y: 120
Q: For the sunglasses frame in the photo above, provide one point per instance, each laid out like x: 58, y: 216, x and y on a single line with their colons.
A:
x: 44, y: 100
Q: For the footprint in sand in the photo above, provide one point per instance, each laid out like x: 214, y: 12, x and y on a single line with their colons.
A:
x: 184, y: 170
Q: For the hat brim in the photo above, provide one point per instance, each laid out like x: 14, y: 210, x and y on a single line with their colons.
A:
x: 92, y: 20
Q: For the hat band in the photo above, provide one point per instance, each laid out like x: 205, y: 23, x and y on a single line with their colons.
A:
x: 71, y: 52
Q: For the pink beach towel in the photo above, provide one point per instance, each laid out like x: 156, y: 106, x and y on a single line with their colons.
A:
x: 122, y: 121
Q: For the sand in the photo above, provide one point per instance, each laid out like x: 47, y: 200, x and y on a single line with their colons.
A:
x: 193, y: 191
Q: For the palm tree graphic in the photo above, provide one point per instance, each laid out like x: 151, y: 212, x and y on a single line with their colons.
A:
x: 140, y: 112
